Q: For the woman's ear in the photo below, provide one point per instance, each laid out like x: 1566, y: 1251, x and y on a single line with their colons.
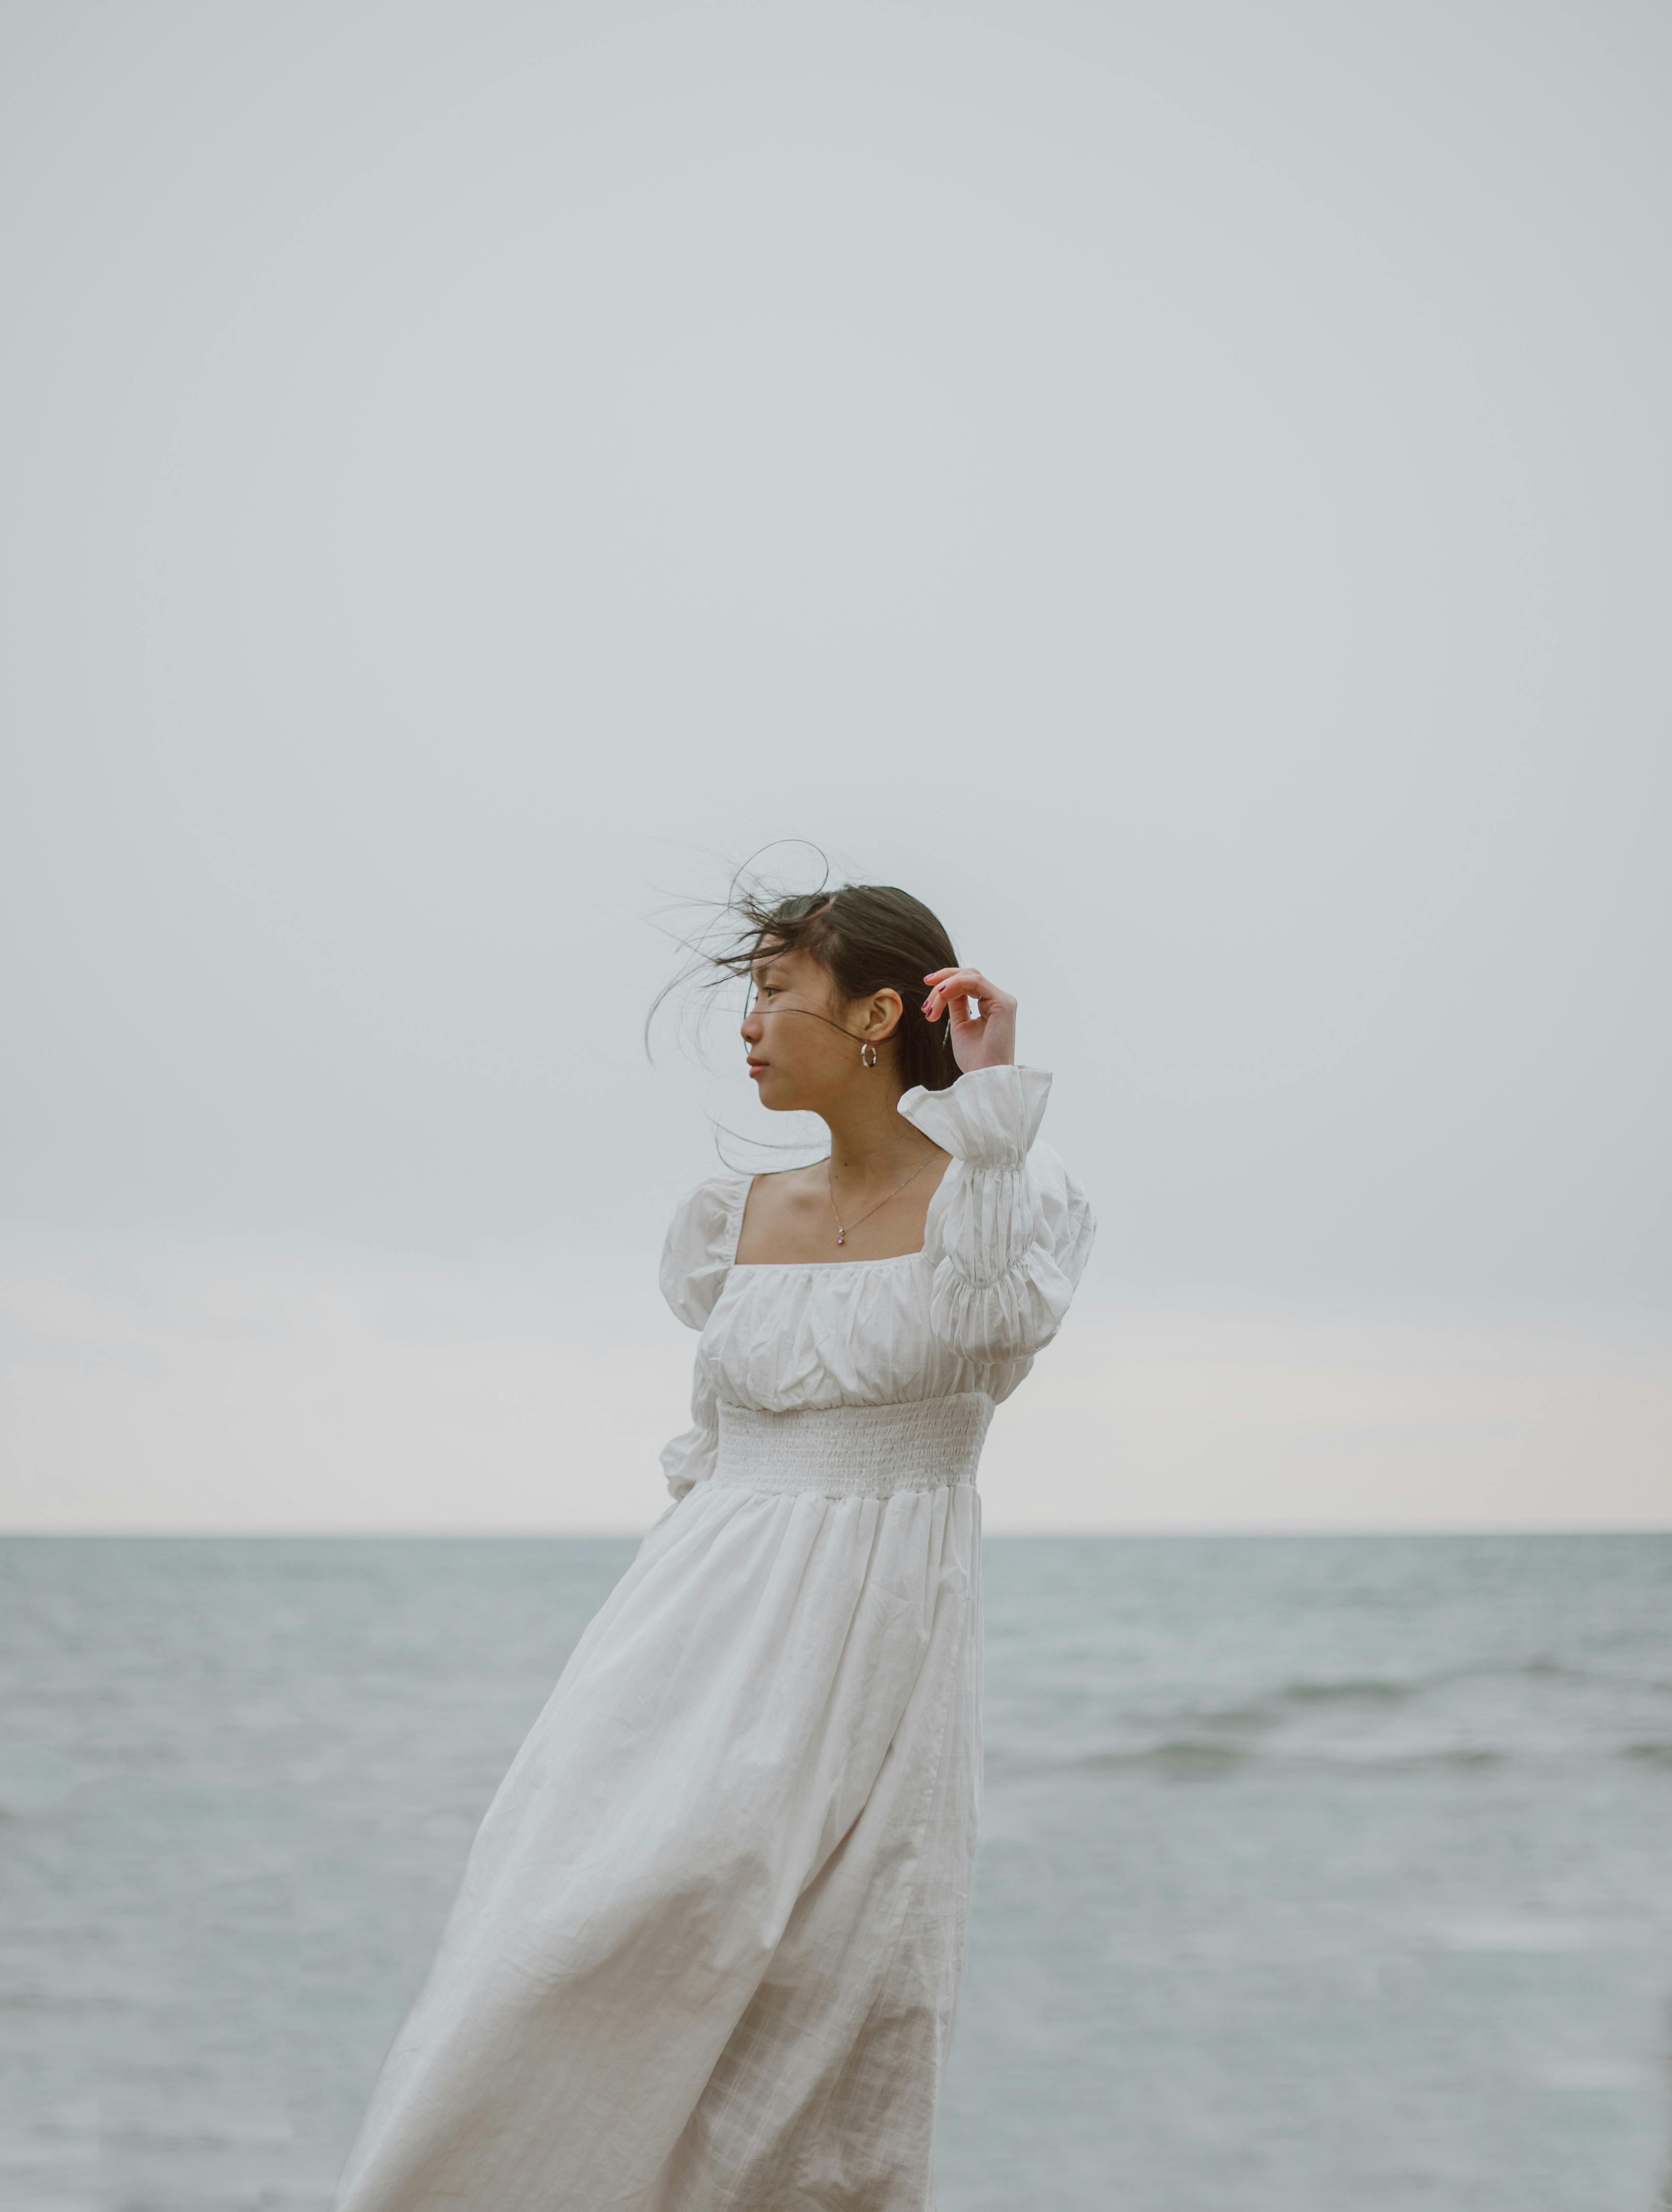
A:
x: 880, y: 1016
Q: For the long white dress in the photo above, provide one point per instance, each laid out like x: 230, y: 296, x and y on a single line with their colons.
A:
x: 710, y: 1937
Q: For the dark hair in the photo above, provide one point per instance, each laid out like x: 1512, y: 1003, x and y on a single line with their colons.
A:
x: 868, y: 937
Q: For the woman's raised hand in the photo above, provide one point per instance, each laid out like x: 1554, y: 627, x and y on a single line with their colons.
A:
x: 986, y: 1038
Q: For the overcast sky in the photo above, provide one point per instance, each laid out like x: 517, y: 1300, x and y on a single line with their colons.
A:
x: 1185, y: 489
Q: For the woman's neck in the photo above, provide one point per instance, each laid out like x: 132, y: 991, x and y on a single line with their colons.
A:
x: 869, y: 1137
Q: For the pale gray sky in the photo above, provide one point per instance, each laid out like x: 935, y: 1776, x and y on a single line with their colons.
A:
x: 1185, y: 489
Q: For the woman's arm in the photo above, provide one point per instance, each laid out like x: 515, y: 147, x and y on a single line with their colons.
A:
x: 1009, y: 1229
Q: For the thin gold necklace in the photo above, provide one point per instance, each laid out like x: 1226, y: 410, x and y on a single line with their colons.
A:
x: 842, y: 1233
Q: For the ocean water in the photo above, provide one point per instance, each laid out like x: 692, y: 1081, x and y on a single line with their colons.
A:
x: 1317, y: 1874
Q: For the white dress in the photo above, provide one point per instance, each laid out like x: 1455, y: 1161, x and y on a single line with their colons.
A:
x: 710, y: 1937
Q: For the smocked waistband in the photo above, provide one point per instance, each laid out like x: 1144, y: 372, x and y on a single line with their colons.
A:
x: 854, y: 1451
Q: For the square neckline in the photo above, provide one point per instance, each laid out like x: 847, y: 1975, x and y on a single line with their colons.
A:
x: 745, y: 1182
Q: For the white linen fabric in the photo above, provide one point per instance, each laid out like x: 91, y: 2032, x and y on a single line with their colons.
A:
x: 709, y: 1940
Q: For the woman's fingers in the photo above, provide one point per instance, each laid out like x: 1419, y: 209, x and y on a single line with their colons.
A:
x: 951, y: 985
x: 951, y: 991
x: 986, y: 1038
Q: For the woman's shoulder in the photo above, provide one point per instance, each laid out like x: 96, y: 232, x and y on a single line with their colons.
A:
x: 701, y: 1238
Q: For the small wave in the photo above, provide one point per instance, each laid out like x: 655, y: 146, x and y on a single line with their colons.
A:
x: 1238, y: 1719
x: 1375, y: 1689
x: 1183, y: 1756
x: 162, y: 2136
x: 1545, y: 1669
x: 1360, y: 1698
x: 1650, y: 1754
x: 1191, y: 1758
x: 1473, y: 1757
x: 1367, y: 1690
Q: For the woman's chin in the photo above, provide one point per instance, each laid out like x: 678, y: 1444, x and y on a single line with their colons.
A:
x: 777, y: 1096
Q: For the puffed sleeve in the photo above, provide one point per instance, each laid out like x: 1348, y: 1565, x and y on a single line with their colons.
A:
x: 1009, y: 1229
x: 696, y: 1253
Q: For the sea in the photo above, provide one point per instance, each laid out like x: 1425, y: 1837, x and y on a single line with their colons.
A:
x: 1318, y: 1874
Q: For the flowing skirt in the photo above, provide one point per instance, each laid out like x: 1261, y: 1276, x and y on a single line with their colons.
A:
x: 709, y: 1940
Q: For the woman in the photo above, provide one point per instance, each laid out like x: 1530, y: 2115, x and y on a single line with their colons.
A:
x: 710, y: 1934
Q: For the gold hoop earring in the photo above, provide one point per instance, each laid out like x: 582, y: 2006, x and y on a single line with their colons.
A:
x: 867, y: 1055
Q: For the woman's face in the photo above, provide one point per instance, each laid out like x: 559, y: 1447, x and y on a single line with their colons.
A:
x: 803, y: 1043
